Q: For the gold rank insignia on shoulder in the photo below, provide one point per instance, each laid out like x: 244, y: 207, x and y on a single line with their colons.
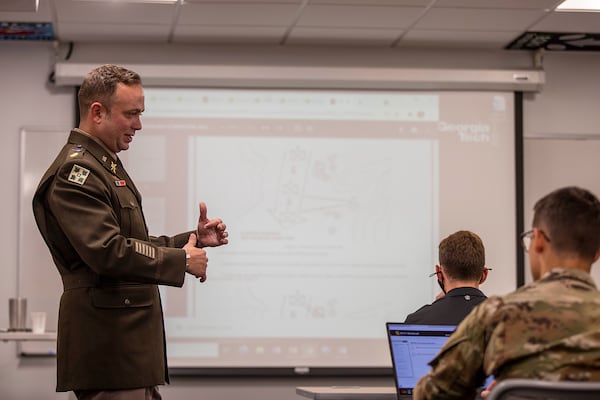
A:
x: 120, y: 183
x: 76, y: 151
x: 113, y: 167
x: 78, y: 174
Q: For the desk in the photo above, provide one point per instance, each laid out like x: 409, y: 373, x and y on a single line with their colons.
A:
x: 32, y: 344
x: 27, y: 336
x: 348, y: 392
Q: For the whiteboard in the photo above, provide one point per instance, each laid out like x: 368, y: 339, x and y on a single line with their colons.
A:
x: 37, y: 277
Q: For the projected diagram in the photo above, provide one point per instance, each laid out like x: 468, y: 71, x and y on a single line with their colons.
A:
x: 310, y: 188
x: 318, y: 221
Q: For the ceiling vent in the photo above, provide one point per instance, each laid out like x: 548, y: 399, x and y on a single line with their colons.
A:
x: 556, y: 41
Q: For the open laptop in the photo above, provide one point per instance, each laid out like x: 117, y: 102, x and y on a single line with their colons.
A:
x: 412, y: 347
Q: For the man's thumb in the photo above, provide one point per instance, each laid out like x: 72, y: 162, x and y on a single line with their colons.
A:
x: 192, y: 239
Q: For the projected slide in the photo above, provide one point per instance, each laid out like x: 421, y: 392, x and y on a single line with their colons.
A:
x: 335, y: 203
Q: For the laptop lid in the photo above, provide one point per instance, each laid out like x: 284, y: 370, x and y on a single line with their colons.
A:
x: 412, y: 347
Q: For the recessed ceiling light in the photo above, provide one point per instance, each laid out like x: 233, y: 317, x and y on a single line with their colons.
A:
x: 579, y: 5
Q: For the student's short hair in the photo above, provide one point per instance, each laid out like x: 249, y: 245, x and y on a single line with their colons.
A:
x: 462, y: 255
x: 100, y: 85
x: 570, y: 218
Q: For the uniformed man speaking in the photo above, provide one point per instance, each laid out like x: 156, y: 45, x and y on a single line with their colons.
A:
x: 111, y: 341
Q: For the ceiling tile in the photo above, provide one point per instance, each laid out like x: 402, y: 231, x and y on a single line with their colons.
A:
x: 423, y: 23
x: 499, y: 4
x: 475, y: 39
x: 119, y: 33
x: 422, y: 3
x: 228, y: 34
x: 478, y: 19
x: 297, y: 2
x: 357, y: 16
x: 18, y: 5
x: 569, y: 22
x: 237, y: 14
x: 42, y: 15
x: 123, y: 13
x: 341, y: 36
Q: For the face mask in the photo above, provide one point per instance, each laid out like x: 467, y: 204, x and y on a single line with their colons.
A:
x: 441, y: 283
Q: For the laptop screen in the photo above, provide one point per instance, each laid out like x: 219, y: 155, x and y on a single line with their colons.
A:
x: 412, y: 347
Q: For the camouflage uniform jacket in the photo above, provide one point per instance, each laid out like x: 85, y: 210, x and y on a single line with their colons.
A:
x: 549, y: 329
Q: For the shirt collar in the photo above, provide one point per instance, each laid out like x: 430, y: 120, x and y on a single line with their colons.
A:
x: 95, y: 139
x: 466, y: 290
x: 568, y: 273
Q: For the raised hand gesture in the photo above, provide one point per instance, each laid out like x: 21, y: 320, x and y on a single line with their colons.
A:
x: 210, y: 232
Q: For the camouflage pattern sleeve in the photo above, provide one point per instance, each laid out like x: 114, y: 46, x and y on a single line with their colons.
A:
x: 458, y: 370
x: 548, y: 329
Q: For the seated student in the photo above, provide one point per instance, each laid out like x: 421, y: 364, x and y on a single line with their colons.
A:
x: 548, y: 329
x: 461, y: 271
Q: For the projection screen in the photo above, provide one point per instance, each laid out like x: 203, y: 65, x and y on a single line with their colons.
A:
x: 335, y: 202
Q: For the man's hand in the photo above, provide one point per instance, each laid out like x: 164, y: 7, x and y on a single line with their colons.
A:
x: 210, y: 233
x: 486, y: 392
x: 197, y: 262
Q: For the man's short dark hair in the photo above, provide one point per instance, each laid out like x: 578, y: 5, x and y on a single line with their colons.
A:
x: 462, y: 255
x: 570, y: 218
x: 100, y: 85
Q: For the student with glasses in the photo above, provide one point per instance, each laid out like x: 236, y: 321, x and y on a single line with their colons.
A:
x: 548, y: 329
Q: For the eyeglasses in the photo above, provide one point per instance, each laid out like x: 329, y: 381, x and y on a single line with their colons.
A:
x: 527, y: 236
x: 431, y: 275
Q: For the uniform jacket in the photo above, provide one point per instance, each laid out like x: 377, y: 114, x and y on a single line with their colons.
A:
x: 450, y: 309
x: 110, y: 325
x: 548, y: 329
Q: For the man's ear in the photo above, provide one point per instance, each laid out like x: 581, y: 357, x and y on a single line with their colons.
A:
x: 96, y: 111
x: 483, y: 276
x: 596, y: 256
x: 538, y: 241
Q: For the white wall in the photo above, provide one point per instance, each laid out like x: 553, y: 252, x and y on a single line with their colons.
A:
x: 569, y: 104
x: 25, y: 99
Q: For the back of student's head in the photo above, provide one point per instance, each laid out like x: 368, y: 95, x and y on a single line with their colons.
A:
x: 462, y: 255
x: 570, y: 218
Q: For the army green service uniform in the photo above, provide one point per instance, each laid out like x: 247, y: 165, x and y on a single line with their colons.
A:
x: 110, y: 325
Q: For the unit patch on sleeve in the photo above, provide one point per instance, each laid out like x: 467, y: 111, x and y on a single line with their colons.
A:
x: 78, y: 174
